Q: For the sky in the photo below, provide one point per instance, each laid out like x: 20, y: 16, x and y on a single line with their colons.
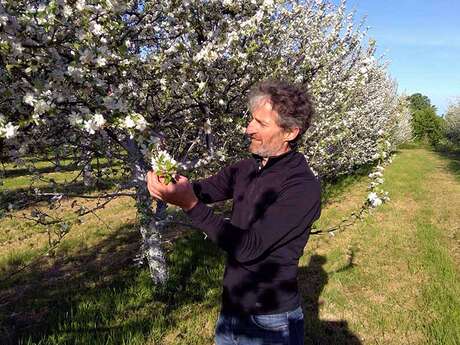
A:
x: 422, y: 41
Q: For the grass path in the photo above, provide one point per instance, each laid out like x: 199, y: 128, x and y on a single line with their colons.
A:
x: 395, y: 277
x: 391, y: 279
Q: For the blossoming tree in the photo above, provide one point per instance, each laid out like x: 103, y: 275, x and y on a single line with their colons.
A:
x: 452, y: 122
x: 140, y: 82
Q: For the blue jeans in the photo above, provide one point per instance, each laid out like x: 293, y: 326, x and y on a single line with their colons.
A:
x: 274, y: 329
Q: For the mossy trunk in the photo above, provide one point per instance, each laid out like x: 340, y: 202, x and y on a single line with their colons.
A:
x: 151, y: 249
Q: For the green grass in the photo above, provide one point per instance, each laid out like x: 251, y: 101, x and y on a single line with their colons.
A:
x: 110, y: 301
x: 392, y: 278
x: 336, y: 188
x: 14, y: 260
x: 15, y: 177
x: 392, y: 291
x: 441, y: 294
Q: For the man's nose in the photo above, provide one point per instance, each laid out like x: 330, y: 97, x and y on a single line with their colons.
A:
x: 250, y: 129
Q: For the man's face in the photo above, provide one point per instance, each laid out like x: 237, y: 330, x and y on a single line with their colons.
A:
x: 267, y: 137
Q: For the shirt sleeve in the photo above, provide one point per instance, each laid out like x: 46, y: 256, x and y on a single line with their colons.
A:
x: 296, y: 208
x: 218, y: 187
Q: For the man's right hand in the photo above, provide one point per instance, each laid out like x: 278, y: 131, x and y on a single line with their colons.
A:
x: 179, y: 193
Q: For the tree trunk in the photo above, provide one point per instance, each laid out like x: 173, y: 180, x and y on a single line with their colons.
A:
x: 151, y: 249
x: 87, y: 169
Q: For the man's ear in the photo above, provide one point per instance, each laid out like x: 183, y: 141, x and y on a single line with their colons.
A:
x: 291, y: 133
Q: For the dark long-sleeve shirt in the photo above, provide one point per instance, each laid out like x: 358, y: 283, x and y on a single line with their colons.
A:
x: 274, y: 207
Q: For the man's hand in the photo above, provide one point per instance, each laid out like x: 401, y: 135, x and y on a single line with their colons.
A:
x: 178, y: 193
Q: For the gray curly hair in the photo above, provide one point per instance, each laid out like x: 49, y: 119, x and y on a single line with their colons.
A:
x: 293, y: 105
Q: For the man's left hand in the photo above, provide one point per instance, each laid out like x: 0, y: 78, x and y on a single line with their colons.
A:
x: 178, y: 193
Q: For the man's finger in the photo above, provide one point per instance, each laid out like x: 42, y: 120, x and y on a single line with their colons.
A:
x: 155, y: 180
x: 154, y: 193
x: 150, y: 174
x: 157, y: 197
x: 150, y: 180
x: 154, y: 186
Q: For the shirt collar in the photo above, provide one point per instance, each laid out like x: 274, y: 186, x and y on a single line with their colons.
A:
x: 272, y: 159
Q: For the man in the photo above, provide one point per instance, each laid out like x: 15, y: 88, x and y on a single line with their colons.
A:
x: 276, y: 198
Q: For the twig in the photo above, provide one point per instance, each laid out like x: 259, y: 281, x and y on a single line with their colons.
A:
x: 343, y: 224
x: 83, y: 196
x: 40, y: 256
x: 98, y: 207
x: 92, y: 211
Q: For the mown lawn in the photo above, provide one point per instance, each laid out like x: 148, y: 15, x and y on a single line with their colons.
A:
x: 392, y: 278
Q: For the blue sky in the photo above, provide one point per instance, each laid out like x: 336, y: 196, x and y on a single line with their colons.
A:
x: 421, y: 40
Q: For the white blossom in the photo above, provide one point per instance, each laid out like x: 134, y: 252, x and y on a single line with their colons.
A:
x: 29, y: 99
x: 135, y: 121
x: 163, y: 83
x: 96, y: 29
x: 99, y: 120
x: 75, y: 72
x: 10, y: 130
x: 201, y: 85
x: 375, y: 174
x: 80, y: 4
x: 36, y: 118
x: 141, y: 123
x: 374, y: 199
x: 268, y: 3
x: 75, y: 119
x: 17, y: 48
x: 94, y: 124
x: 161, y: 159
x: 101, y: 61
x: 129, y: 122
x: 41, y: 107
x: 3, y: 20
x: 67, y: 11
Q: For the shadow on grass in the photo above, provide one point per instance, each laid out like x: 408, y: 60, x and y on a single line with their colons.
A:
x: 98, y: 296
x: 312, y: 280
x: 25, y: 197
x: 53, y: 168
x: 453, y: 164
x: 334, y: 187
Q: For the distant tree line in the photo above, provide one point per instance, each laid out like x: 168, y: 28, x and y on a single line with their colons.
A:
x: 428, y: 127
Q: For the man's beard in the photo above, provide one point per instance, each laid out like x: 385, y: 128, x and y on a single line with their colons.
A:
x: 261, y: 149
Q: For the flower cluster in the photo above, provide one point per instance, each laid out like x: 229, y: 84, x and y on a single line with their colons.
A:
x: 376, y: 199
x: 94, y: 123
x: 134, y: 122
x: 164, y: 165
x: 376, y: 196
x: 7, y: 129
x: 377, y: 176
